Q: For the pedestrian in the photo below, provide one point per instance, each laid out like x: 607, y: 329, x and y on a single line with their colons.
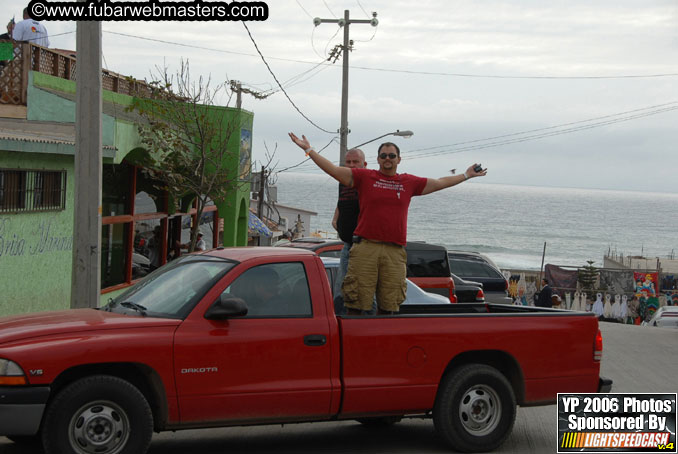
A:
x: 199, y: 244
x: 155, y: 248
x: 31, y: 30
x: 345, y: 221
x: 377, y: 258
x: 544, y: 299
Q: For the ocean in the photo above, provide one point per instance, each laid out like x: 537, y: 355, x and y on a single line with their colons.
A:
x: 510, y: 224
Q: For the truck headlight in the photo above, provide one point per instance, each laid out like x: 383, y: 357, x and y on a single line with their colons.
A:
x: 11, y: 373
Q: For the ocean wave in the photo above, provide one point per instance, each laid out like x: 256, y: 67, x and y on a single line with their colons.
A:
x: 482, y: 248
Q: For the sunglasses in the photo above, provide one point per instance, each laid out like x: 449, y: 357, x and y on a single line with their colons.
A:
x: 389, y: 155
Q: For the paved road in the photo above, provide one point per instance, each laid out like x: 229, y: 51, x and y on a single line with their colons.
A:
x: 638, y: 359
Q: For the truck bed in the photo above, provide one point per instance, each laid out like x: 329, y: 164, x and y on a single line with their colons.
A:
x: 485, y: 308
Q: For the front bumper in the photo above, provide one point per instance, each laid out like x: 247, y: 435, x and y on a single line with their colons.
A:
x: 21, y: 409
x: 604, y: 385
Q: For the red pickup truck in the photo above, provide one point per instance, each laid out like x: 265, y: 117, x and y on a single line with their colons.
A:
x: 246, y: 336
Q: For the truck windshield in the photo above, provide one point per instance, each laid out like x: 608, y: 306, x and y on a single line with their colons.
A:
x: 173, y: 290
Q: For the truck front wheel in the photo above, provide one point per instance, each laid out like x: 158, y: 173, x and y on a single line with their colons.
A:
x: 99, y: 414
x: 475, y: 408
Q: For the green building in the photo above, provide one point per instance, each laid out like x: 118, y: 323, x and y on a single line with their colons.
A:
x: 37, y: 147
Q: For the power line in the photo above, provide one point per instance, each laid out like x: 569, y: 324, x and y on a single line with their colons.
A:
x: 543, y: 132
x: 279, y: 84
x: 302, y: 7
x: 361, y: 7
x: 546, y: 134
x: 307, y: 159
x: 403, y: 71
x: 546, y: 128
x: 328, y: 9
x: 486, y: 76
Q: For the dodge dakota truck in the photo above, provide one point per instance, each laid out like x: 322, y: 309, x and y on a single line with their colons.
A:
x: 244, y: 336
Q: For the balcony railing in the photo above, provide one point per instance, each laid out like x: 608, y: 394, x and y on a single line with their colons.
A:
x: 31, y: 57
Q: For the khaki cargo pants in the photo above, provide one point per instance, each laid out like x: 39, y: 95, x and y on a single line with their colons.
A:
x: 379, y: 267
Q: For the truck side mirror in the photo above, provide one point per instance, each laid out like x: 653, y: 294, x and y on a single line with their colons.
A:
x: 226, y: 307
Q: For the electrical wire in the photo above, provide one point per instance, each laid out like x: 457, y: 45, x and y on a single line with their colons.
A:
x: 543, y: 135
x: 402, y: 71
x: 299, y: 78
x: 367, y: 40
x: 596, y: 122
x: 361, y: 7
x: 546, y: 128
x: 328, y: 9
x: 375, y: 28
x: 302, y: 7
x: 280, y: 85
x: 330, y: 40
x: 307, y: 159
x: 313, y: 43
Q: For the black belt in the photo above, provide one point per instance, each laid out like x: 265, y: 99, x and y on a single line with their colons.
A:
x: 357, y: 239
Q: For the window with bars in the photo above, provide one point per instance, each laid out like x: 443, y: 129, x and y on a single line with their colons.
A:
x: 32, y: 190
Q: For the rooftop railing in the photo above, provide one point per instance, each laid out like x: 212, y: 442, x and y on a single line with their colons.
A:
x: 31, y: 57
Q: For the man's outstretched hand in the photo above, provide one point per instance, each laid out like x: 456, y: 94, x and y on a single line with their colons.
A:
x: 303, y: 143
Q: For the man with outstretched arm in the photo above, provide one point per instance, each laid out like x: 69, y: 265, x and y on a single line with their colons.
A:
x: 378, y: 259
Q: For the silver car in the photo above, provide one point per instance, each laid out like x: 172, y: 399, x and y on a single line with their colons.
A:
x: 665, y: 317
x: 415, y: 295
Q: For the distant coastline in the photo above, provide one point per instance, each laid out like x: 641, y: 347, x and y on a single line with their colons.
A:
x: 510, y: 223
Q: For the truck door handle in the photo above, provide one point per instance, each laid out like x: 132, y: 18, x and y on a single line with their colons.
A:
x: 315, y: 340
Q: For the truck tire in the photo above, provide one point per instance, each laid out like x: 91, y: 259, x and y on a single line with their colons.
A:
x: 382, y: 421
x: 475, y: 408
x: 98, y: 414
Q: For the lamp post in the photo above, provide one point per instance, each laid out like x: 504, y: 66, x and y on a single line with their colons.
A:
x: 404, y: 134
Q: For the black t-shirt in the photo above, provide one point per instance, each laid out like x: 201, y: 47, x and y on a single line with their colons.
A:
x: 349, y: 208
x: 544, y: 299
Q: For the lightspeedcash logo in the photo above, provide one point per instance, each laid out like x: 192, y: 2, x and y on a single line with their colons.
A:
x: 151, y: 10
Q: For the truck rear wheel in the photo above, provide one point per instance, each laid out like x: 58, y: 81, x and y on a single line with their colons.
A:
x: 99, y: 414
x: 475, y: 408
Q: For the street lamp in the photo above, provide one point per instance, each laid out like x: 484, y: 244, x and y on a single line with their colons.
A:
x: 404, y: 134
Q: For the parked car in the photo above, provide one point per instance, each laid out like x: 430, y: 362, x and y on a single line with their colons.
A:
x: 427, y: 267
x: 324, y: 247
x: 415, y: 295
x: 468, y: 291
x: 665, y: 317
x: 479, y: 268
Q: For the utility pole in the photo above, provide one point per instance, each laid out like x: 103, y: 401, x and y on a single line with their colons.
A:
x: 86, y: 277
x: 345, y: 22
x: 238, y: 102
x: 236, y: 87
x: 262, y: 192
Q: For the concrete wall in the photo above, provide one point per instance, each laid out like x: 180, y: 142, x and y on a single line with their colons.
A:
x: 36, y: 248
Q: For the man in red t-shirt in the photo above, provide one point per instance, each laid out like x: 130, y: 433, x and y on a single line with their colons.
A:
x: 378, y: 259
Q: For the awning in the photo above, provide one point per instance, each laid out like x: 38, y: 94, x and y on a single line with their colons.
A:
x: 257, y: 227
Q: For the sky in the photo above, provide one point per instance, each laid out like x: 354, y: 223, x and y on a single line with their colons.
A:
x: 560, y: 93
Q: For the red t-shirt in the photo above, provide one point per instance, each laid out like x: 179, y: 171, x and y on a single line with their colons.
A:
x: 384, y: 202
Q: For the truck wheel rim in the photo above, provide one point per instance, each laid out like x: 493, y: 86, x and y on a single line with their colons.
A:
x: 99, y: 428
x: 480, y: 410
